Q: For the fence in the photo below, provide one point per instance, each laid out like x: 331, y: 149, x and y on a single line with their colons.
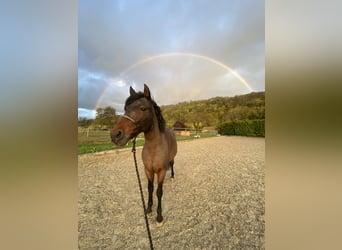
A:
x: 196, y: 134
x: 103, y: 135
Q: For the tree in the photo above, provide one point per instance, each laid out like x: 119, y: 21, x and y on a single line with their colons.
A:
x: 105, y: 117
x: 198, y: 126
x: 84, y: 122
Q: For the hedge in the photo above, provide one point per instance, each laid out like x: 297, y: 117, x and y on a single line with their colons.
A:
x: 243, y: 127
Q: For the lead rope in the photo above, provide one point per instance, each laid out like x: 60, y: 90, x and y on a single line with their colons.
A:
x: 142, y: 195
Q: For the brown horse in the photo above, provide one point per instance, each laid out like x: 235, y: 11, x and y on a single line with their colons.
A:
x: 142, y: 114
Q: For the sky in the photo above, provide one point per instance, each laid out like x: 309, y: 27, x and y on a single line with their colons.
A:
x: 183, y: 50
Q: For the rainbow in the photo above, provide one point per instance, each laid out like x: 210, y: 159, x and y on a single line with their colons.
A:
x: 174, y: 54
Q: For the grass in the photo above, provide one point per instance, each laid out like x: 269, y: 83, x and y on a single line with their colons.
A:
x: 98, y: 140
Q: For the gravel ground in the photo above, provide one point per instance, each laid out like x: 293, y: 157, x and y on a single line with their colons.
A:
x: 216, y: 201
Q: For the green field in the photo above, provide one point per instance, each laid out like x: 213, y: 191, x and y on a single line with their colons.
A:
x: 99, y: 140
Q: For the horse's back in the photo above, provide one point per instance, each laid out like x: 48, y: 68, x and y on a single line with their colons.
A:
x: 172, y: 143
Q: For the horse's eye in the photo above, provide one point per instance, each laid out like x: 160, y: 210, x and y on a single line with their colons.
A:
x: 142, y: 108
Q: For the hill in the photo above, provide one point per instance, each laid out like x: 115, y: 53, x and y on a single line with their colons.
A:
x: 215, y: 111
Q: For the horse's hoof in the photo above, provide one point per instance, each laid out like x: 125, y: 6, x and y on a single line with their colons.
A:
x: 150, y: 215
x: 160, y: 224
x: 172, y: 179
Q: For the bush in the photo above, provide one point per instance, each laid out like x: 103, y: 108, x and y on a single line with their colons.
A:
x: 226, y: 129
x: 243, y: 127
x: 259, y: 127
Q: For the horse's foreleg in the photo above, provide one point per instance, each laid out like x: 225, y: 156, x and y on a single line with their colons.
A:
x: 161, y: 176
x: 150, y: 178
x: 150, y: 198
x: 159, y: 208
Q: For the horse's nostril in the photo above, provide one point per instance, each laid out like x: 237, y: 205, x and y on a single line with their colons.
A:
x: 118, y: 134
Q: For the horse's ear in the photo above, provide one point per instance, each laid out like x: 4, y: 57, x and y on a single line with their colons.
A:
x: 131, y: 91
x: 147, y: 92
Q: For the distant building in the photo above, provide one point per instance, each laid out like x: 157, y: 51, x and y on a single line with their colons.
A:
x: 179, y: 126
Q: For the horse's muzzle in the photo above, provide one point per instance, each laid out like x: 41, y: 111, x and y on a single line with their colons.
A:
x: 118, y: 137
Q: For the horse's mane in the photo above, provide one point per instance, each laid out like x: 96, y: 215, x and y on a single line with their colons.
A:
x: 160, y: 118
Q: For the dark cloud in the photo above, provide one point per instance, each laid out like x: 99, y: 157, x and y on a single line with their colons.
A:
x: 90, y: 87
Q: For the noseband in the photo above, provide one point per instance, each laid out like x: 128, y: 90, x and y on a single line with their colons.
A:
x: 134, y: 121
x: 129, y: 118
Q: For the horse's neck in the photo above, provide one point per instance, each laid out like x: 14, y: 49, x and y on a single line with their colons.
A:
x: 154, y: 135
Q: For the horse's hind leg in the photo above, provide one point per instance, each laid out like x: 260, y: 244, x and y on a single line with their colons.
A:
x: 172, y: 172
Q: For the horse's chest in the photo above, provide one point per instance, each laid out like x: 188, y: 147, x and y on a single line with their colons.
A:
x: 154, y: 158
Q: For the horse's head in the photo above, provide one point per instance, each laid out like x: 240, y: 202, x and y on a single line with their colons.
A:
x: 138, y: 117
